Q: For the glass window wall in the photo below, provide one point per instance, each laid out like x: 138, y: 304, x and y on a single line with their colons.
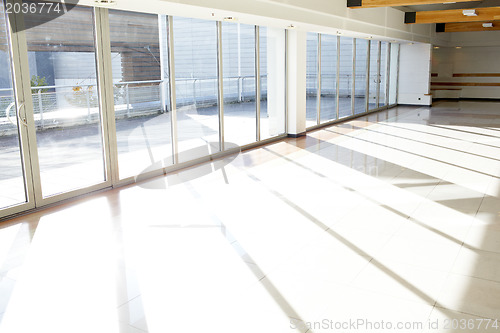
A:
x: 374, y: 75
x: 346, y: 78
x: 272, y: 82
x: 195, y: 54
x: 62, y: 67
x: 360, y: 75
x: 312, y: 80
x: 393, y: 74
x: 143, y: 127
x: 384, y: 62
x: 239, y: 84
x: 328, y: 78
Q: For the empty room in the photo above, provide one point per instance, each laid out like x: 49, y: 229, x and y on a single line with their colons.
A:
x: 249, y: 166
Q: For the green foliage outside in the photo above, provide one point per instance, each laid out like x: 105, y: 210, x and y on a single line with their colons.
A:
x: 37, y: 81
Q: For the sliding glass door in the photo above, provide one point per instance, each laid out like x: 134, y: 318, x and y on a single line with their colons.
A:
x: 51, y: 122
x: 140, y: 88
x: 373, y: 99
x: 312, y: 79
x: 65, y: 94
x: 239, y: 83
x: 272, y: 82
x: 346, y: 79
x: 383, y: 74
x: 15, y: 179
x: 195, y: 53
x: 384, y: 71
x: 360, y: 76
x: 393, y: 73
x: 328, y: 106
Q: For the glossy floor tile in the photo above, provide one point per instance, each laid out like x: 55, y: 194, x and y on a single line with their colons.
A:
x: 389, y: 219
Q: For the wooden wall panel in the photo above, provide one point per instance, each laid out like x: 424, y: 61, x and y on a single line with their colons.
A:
x: 476, y: 75
x: 466, y: 84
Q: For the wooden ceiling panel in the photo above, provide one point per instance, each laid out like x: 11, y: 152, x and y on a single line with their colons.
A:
x: 452, y: 16
x: 468, y: 26
x: 393, y: 3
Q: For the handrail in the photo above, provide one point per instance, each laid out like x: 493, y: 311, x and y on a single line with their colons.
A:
x: 137, y: 82
x: 199, y: 82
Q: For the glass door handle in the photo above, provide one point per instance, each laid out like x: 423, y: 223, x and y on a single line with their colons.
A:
x: 21, y: 120
x: 7, y: 113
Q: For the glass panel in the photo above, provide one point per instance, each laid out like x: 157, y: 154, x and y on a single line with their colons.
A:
x: 374, y: 78
x: 238, y: 56
x: 393, y: 80
x: 361, y: 67
x: 383, y: 73
x: 12, y: 189
x: 328, y: 78
x: 195, y: 51
x: 143, y: 128
x: 346, y: 79
x: 312, y: 80
x: 66, y: 102
x: 272, y: 82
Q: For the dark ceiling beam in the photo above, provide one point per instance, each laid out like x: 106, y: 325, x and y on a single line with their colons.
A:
x: 392, y: 3
x: 452, y: 16
x: 468, y: 26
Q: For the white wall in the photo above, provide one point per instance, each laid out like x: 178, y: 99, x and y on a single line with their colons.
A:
x: 325, y: 16
x: 469, y: 39
x: 447, y: 61
x: 415, y: 74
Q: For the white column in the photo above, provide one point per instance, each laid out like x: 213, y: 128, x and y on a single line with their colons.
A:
x: 415, y: 74
x: 296, y: 100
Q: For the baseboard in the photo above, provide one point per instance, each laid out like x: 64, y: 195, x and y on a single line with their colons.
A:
x: 296, y: 135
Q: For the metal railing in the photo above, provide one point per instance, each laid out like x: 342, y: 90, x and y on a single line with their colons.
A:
x: 139, y: 98
x: 329, y: 81
x: 61, y: 105
x: 202, y: 92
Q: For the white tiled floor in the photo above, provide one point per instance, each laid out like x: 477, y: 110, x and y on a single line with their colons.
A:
x: 392, y: 217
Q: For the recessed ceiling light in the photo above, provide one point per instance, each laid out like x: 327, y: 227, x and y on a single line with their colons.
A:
x: 487, y: 25
x: 469, y: 12
x: 105, y: 3
x: 436, y: 47
x: 458, y: 47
